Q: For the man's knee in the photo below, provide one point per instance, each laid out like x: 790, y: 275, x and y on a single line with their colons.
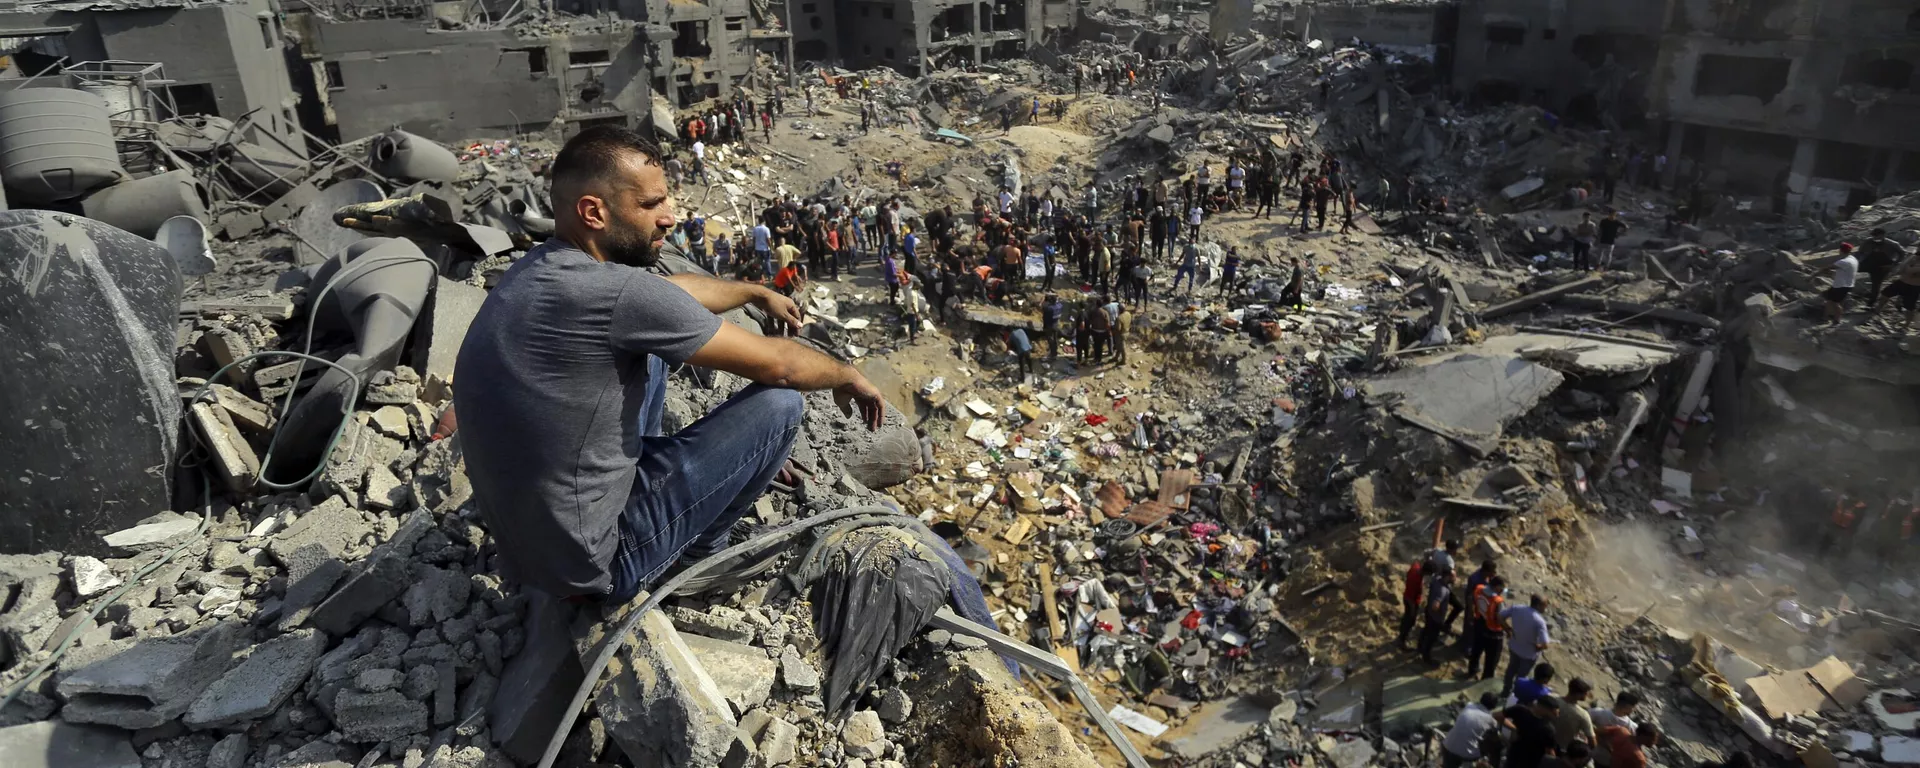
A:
x: 780, y: 407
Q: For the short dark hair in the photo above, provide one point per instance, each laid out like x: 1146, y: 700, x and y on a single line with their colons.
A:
x: 1578, y: 688
x: 1489, y: 700
x: 591, y: 153
x: 1542, y: 673
x: 1538, y: 600
x: 1627, y: 699
x: 1578, y: 751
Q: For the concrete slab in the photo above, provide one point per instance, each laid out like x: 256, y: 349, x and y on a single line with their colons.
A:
x: 743, y: 673
x: 54, y: 744
x: 1342, y: 707
x: 1471, y: 392
x: 445, y: 326
x: 150, y: 681
x: 660, y: 705
x: 1410, y: 703
x: 1587, y: 353
x: 1216, y: 725
x: 258, y: 686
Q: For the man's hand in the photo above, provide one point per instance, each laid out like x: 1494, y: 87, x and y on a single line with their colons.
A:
x: 780, y: 307
x: 860, y: 392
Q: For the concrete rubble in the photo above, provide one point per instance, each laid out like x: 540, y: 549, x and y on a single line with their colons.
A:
x: 1211, y: 537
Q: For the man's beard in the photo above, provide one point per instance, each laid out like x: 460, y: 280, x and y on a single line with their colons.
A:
x: 626, y: 244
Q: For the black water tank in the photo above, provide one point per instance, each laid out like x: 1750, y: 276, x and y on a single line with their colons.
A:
x: 89, y: 413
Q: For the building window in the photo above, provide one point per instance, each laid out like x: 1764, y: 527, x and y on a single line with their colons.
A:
x: 588, y: 58
x: 536, y: 59
x: 1506, y: 34
x: 335, y: 81
x: 266, y: 32
x: 809, y: 8
x: 1762, y: 77
x: 737, y: 24
x: 193, y: 99
x: 887, y: 54
x: 1891, y: 74
x: 815, y: 23
x: 886, y: 11
x: 690, y: 39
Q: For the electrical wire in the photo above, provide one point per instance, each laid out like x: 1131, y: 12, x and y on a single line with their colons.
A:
x: 614, y: 640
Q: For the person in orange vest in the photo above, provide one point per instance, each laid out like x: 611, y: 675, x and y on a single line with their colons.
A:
x: 1846, y: 511
x: 1483, y: 616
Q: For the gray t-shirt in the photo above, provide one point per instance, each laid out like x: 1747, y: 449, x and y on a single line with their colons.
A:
x: 549, y: 385
x: 1472, y: 726
x: 1529, y: 630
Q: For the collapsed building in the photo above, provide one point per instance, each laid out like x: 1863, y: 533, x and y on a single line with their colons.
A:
x: 1793, y: 105
x: 1199, y: 554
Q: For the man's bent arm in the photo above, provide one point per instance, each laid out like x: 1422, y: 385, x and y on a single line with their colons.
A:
x: 771, y: 361
x: 715, y: 294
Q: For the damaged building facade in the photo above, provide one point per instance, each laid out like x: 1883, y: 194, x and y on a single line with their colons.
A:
x: 223, y: 59
x: 1800, y: 103
x: 368, y: 76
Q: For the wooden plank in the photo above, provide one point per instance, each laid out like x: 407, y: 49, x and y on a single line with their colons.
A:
x: 1061, y: 648
x: 1018, y: 531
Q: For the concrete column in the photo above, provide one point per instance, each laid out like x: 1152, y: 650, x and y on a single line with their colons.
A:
x: 1676, y: 141
x: 1800, y: 173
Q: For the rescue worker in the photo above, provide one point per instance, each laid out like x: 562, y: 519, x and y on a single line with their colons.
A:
x: 1484, y: 617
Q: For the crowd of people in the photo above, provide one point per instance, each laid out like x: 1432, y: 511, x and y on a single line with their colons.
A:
x: 1527, y: 723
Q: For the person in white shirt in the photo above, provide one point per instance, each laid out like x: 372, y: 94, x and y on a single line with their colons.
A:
x: 1194, y: 215
x: 700, y: 161
x: 1006, y: 202
x: 1845, y: 272
x: 1620, y: 715
x: 1236, y: 183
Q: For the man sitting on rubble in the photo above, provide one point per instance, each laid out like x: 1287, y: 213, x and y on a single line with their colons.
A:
x: 563, y: 379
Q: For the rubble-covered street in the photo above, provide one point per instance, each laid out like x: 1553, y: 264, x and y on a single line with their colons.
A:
x: 1223, y: 362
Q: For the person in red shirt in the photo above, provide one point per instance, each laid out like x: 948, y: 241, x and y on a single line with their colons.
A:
x: 1627, y: 749
x: 787, y: 280
x: 1410, y: 601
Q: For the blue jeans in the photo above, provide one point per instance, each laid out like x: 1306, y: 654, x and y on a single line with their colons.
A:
x: 693, y: 485
x: 1183, y: 271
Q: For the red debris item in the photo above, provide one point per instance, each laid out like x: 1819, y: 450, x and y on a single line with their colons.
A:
x: 1285, y: 403
x: 1192, y: 621
x: 1104, y: 626
x: 1094, y: 419
x: 1148, y: 513
x: 1119, y: 402
x: 1238, y: 653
